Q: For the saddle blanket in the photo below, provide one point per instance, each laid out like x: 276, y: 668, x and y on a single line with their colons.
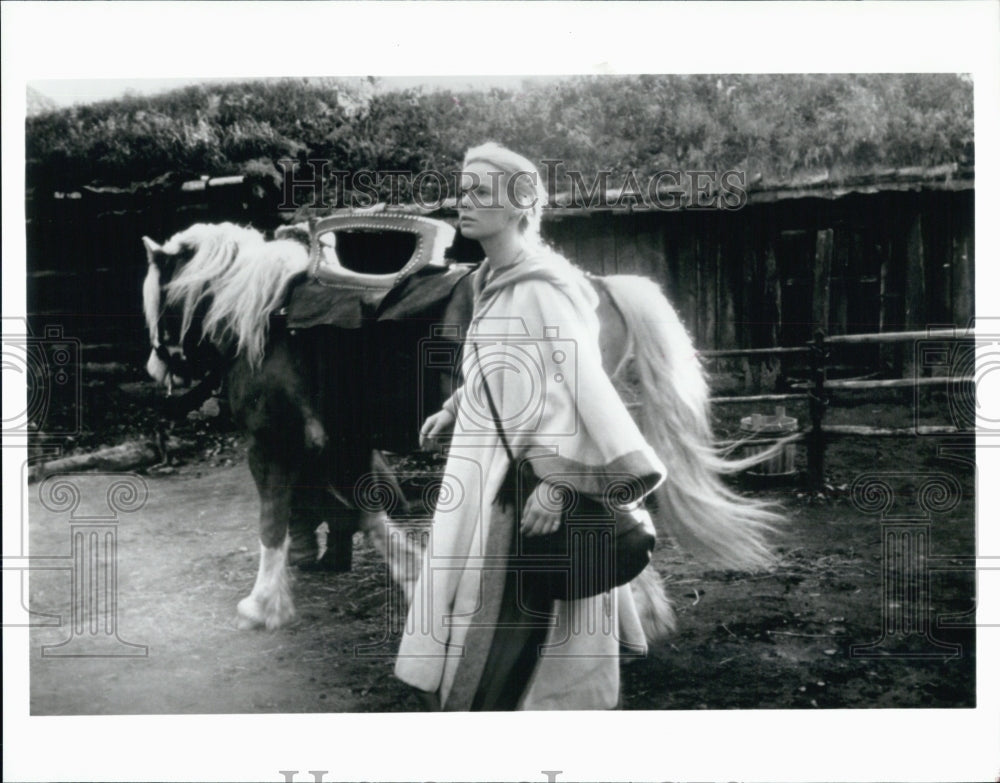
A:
x: 312, y: 303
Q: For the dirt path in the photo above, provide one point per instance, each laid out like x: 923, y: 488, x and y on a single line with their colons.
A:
x: 778, y: 640
x: 185, y: 560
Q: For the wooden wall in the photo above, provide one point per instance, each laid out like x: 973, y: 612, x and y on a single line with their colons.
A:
x: 772, y: 274
x: 765, y: 275
x: 85, y: 259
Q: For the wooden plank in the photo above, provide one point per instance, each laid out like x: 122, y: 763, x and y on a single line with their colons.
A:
x: 563, y: 240
x: 698, y: 316
x: 759, y: 398
x: 751, y: 286
x: 897, y: 337
x: 795, y: 250
x: 729, y: 283
x: 844, y: 339
x: 671, y: 261
x: 604, y: 243
x: 709, y: 289
x: 914, y: 300
x: 617, y: 231
x: 914, y: 304
x: 885, y: 352
x: 840, y: 289
x: 767, y: 371
x: 963, y: 270
x: 891, y: 383
x: 938, y: 226
x: 624, y: 234
x: 863, y: 301
x: 863, y: 288
x: 821, y: 280
x: 855, y: 430
x: 686, y: 302
x: 640, y: 249
x: 754, y: 352
x: 771, y: 301
x: 594, y: 245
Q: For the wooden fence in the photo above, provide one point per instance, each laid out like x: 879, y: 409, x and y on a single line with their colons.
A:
x: 816, y: 391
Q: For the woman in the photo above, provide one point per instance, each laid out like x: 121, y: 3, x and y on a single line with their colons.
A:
x: 479, y: 636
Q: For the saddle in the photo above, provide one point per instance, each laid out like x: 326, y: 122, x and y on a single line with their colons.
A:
x: 430, y: 240
x: 357, y: 260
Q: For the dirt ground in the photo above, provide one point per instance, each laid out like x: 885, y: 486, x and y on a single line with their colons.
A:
x: 789, y: 638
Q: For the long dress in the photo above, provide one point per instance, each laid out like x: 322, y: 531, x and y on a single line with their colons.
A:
x: 475, y: 634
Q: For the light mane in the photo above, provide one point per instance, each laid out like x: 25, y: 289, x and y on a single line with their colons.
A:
x: 243, y: 278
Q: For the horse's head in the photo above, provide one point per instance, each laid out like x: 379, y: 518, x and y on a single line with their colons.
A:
x: 167, y: 364
x: 207, y: 296
x: 182, y: 277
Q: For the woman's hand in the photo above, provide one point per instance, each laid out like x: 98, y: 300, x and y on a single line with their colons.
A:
x: 537, y: 519
x: 434, y: 428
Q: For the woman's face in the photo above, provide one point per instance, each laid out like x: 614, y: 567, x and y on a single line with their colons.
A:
x: 485, y: 209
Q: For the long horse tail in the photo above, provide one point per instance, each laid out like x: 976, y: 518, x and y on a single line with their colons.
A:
x: 696, y: 508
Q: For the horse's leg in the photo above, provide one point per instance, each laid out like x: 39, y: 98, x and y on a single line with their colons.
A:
x: 312, y: 518
x: 270, y: 602
x: 348, y: 464
x: 320, y: 512
x: 324, y: 501
x: 340, y: 540
x: 401, y: 544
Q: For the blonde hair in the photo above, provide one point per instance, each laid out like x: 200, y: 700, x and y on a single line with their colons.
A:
x: 529, y: 193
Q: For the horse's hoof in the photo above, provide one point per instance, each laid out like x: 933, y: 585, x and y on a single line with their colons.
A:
x: 279, y: 620
x: 249, y: 614
x: 247, y: 624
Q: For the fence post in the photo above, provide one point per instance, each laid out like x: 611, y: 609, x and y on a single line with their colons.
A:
x: 818, y: 355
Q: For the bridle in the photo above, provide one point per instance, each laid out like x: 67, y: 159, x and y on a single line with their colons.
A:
x: 178, y: 363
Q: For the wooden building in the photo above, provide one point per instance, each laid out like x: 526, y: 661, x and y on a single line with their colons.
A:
x: 890, y: 251
x: 885, y: 251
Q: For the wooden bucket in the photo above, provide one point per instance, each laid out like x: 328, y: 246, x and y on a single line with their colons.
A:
x: 764, y: 430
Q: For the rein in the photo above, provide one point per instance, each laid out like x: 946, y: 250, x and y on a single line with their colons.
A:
x: 179, y: 407
x: 174, y: 409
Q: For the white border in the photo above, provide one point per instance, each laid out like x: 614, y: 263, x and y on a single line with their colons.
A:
x: 108, y: 40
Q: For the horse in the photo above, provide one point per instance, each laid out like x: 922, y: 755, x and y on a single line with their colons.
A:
x: 213, y: 298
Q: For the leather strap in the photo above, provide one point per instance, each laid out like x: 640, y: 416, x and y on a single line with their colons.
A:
x: 179, y: 407
x: 493, y: 406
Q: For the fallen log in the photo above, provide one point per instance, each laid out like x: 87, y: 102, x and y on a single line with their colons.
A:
x: 125, y: 457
